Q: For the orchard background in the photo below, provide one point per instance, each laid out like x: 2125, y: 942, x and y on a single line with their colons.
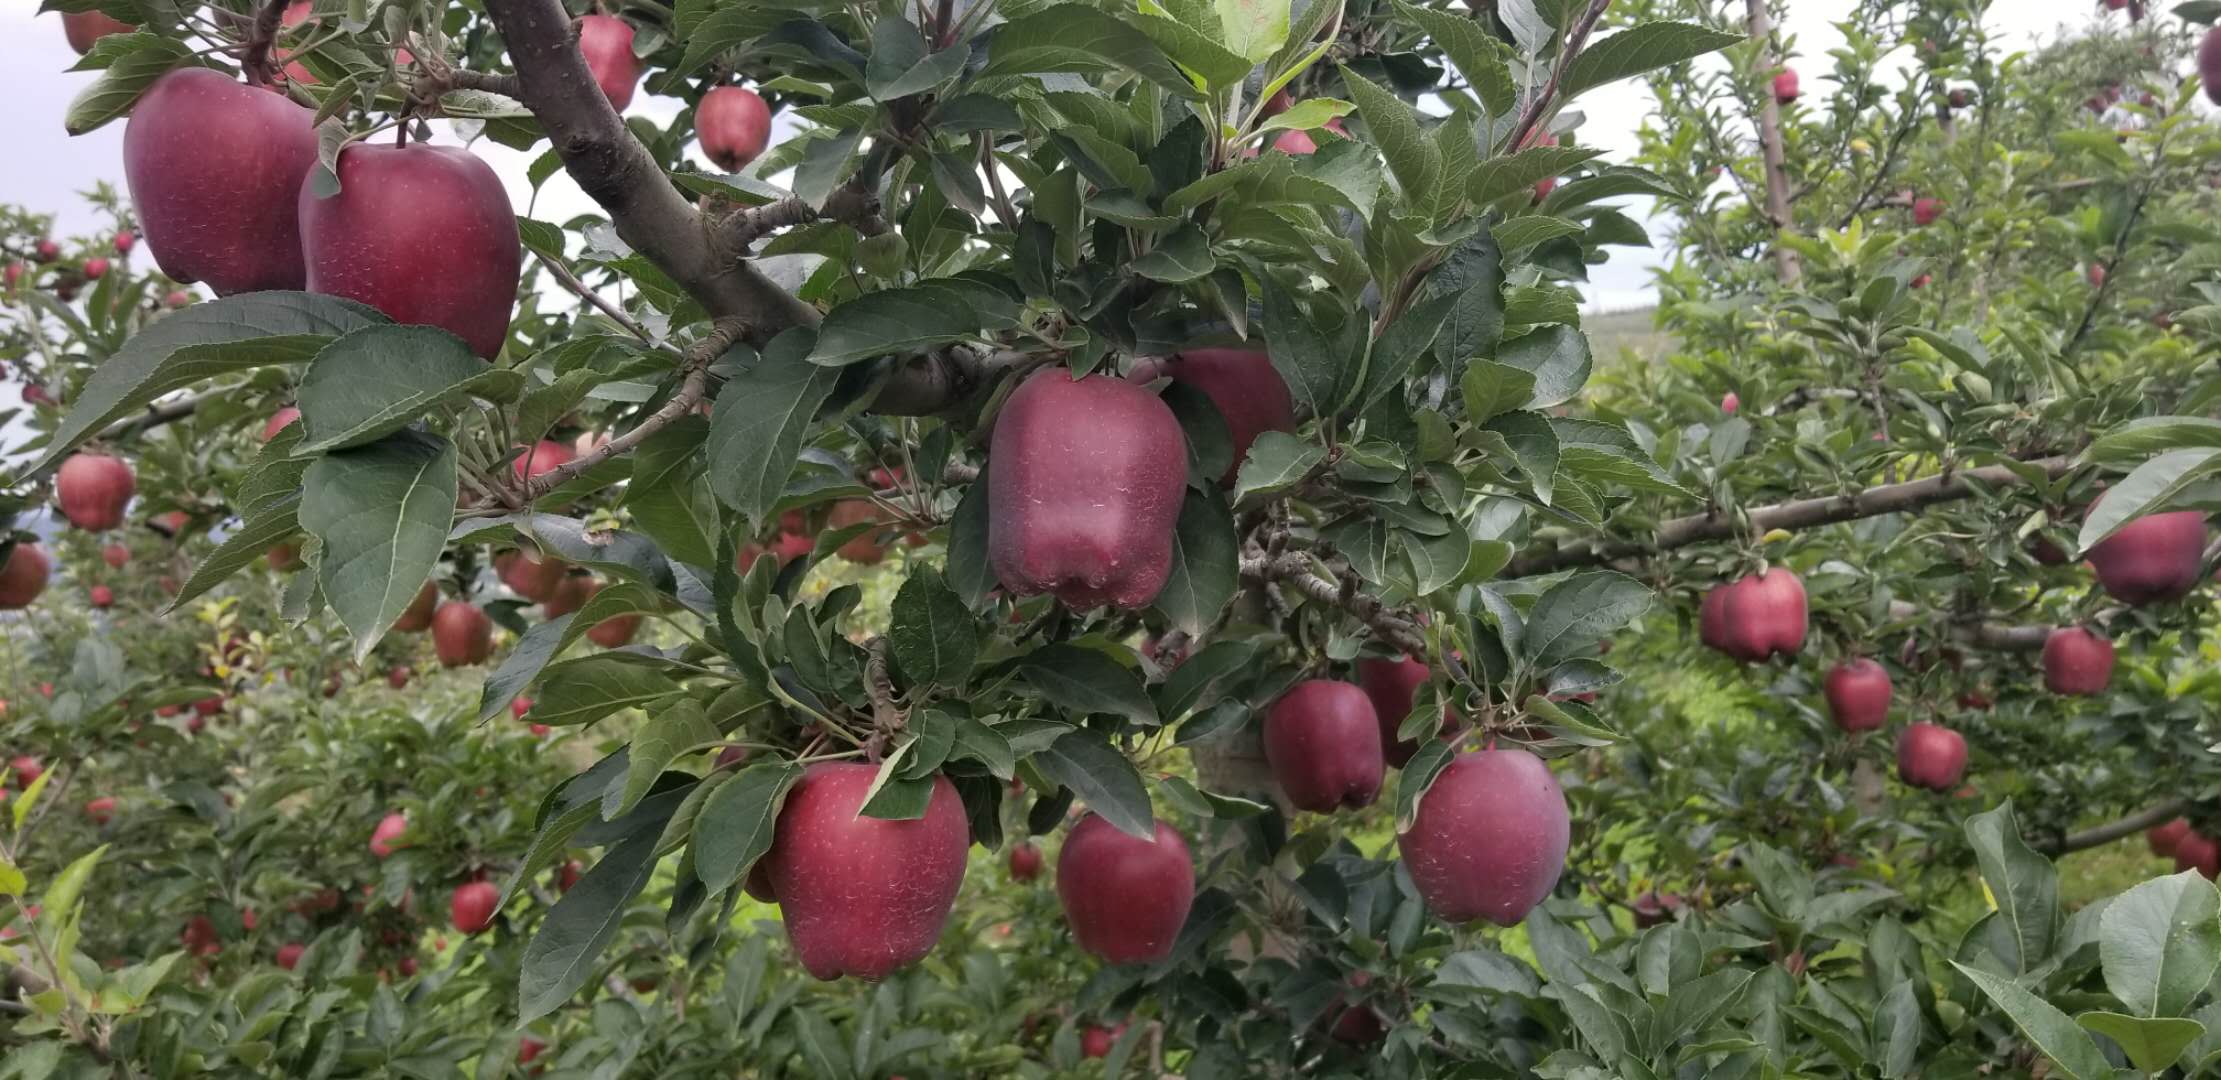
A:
x: 1098, y: 544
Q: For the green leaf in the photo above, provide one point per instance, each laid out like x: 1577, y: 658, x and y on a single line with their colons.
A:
x: 1416, y: 777
x: 1080, y: 39
x: 2024, y: 884
x: 2145, y: 490
x: 1580, y: 611
x: 1309, y: 114
x: 375, y: 381
x: 58, y: 906
x: 758, y: 425
x: 1206, y: 564
x: 560, y: 958
x: 1277, y: 461
x: 969, y: 571
x: 1102, y: 778
x: 121, y: 83
x: 1206, y: 677
x: 584, y: 690
x: 1182, y: 255
x: 1191, y: 47
x: 1253, y: 29
x: 1483, y: 60
x: 1608, y: 183
x: 266, y: 526
x: 1490, y: 389
x: 669, y: 495
x: 2148, y: 435
x: 1557, y: 357
x: 893, y: 321
x: 1638, y: 49
x: 680, y: 728
x: 1523, y: 232
x: 2052, y: 1032
x: 735, y: 827
x: 382, y: 512
x: 1513, y: 173
x: 200, y: 342
x: 975, y: 741
x: 1083, y: 681
x: 1305, y: 357
x: 1412, y: 157
x: 2159, y: 944
x: 931, y: 633
x: 1533, y: 446
x: 901, y: 65
x: 2153, y: 1043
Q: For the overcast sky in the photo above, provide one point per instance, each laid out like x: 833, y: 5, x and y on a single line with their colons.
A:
x: 47, y: 167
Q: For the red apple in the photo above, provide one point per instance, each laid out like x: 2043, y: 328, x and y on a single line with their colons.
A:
x: 520, y: 706
x: 422, y: 233
x: 734, y: 126
x: 2095, y: 274
x: 115, y: 555
x: 1755, y: 617
x: 1096, y: 1040
x: 93, y: 489
x: 1858, y: 692
x: 2163, y: 838
x: 1730, y: 403
x: 211, y: 164
x: 1241, y: 383
x: 529, y: 1048
x: 2197, y: 852
x: 1654, y: 907
x: 176, y: 298
x: 390, y: 828
x: 1931, y: 756
x: 571, y: 592
x: 473, y: 905
x: 1025, y: 861
x: 1391, y: 685
x: 23, y: 578
x: 1926, y: 211
x: 568, y: 874
x: 1084, y: 490
x: 101, y: 810
x: 534, y: 577
x: 284, y: 558
x: 289, y: 954
x: 1126, y: 898
x: 541, y: 457
x: 125, y: 240
x: 615, y: 632
x: 1299, y: 142
x: 277, y: 422
x: 2209, y: 64
x: 397, y: 677
x: 860, y: 895
x: 1323, y: 742
x: 418, y: 615
x: 295, y: 14
x: 1489, y: 839
x: 461, y: 634
x: 2152, y: 559
x: 1785, y: 86
x: 2077, y: 662
x: 199, y: 936
x: 606, y: 43
x: 26, y: 768
x: 46, y: 251
x: 1354, y: 1025
x: 82, y: 28
x: 101, y: 596
x: 96, y: 268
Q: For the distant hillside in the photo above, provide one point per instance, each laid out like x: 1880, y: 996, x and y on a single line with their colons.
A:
x: 1630, y: 330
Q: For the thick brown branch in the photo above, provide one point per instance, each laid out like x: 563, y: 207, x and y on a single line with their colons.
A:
x: 1298, y: 570
x: 2099, y: 835
x: 2003, y: 637
x: 260, y: 37
x: 847, y: 204
x: 1800, y: 514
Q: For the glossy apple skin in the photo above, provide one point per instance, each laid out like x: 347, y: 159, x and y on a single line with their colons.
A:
x: 82, y: 28
x: 1931, y: 756
x: 1125, y: 898
x: 2077, y: 662
x: 2196, y: 852
x: 211, y: 165
x: 734, y: 126
x: 2163, y: 838
x: 462, y: 634
x: 389, y: 828
x: 1242, y: 383
x: 606, y: 43
x: 1490, y: 837
x: 1322, y: 740
x: 1083, y: 491
x: 1858, y: 693
x: 422, y: 233
x: 418, y: 616
x: 862, y: 896
x: 93, y: 490
x: 2153, y: 559
x: 1754, y: 617
x: 1025, y: 862
x: 1391, y: 685
x: 472, y: 907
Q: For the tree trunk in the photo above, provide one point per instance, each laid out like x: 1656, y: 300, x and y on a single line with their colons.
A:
x: 1769, y: 140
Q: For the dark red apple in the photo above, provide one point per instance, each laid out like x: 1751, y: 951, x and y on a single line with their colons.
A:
x: 27, y: 769
x: 418, y: 615
x: 1025, y: 861
x: 2077, y: 662
x: 860, y: 895
x: 606, y: 43
x: 2152, y: 559
x: 568, y: 874
x: 46, y: 251
x: 1654, y: 907
x: 1096, y: 1040
x: 2209, y: 64
x: 2198, y: 852
x: 462, y: 635
x: 101, y: 810
x: 23, y: 578
x: 397, y: 677
x: 1323, y: 742
x: 2163, y: 838
x: 529, y: 1048
x: 1754, y: 617
x: 422, y: 233
x: 289, y: 954
x: 1931, y: 756
x: 115, y: 555
x: 390, y: 828
x: 125, y: 240
x: 472, y: 907
x: 93, y: 490
x: 1354, y: 1025
x: 1125, y: 898
x: 615, y: 632
x: 82, y: 28
x: 734, y: 126
x: 864, y: 549
x: 1858, y: 692
x: 212, y: 164
x: 96, y: 268
x: 1084, y: 490
x: 1926, y: 210
x: 1490, y: 837
x: 199, y: 936
x: 1785, y: 86
x: 1242, y: 383
x: 1391, y: 685
x: 101, y: 596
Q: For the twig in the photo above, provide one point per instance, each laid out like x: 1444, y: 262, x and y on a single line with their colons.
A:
x: 2099, y: 835
x: 1575, y: 40
x: 260, y: 36
x: 1772, y: 156
x: 578, y: 288
x: 693, y: 386
x: 1296, y: 569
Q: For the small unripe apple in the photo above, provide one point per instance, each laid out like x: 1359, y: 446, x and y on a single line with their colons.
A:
x: 462, y: 634
x: 418, y: 615
x: 1926, y: 210
x: 101, y: 810
x: 1858, y: 692
x: 2163, y: 838
x: 864, y: 896
x: 93, y: 490
x: 1322, y: 740
x: 1084, y: 490
x: 606, y: 43
x: 1125, y: 898
x: 289, y: 954
x: 2077, y: 662
x: 101, y: 596
x: 1931, y: 756
x: 2195, y: 851
x: 207, y: 159
x: 1025, y: 861
x: 473, y: 905
x: 1730, y: 402
x: 1490, y: 837
x: 1753, y: 618
x: 734, y: 126
x: 278, y: 421
x: 389, y: 828
x: 2153, y: 559
x: 125, y: 241
x: 23, y: 578
x: 82, y: 28
x: 1785, y: 86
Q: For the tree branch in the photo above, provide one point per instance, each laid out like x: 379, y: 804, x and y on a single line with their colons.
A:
x: 2099, y: 835
x: 1296, y: 569
x: 693, y: 387
x: 260, y: 37
x: 157, y: 415
x: 578, y: 288
x: 1771, y: 154
x: 1576, y: 39
x: 1799, y: 514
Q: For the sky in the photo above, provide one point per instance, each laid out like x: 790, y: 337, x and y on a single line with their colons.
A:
x: 48, y: 167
